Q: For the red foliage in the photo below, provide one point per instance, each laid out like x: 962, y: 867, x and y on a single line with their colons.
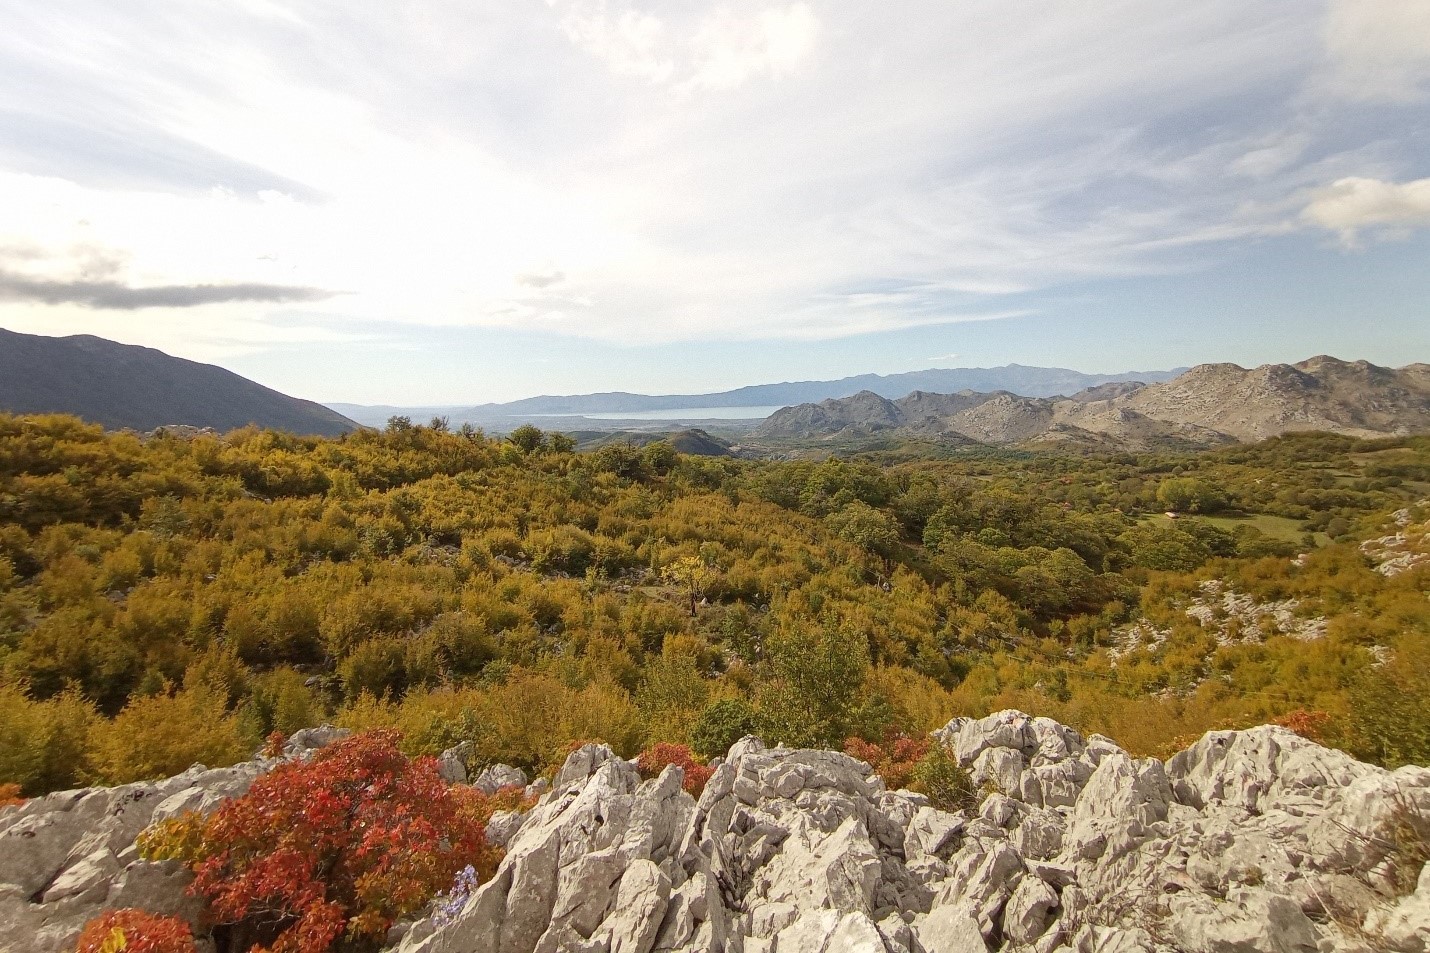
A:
x: 10, y: 795
x: 135, y: 931
x: 654, y: 760
x: 341, y: 846
x: 894, y: 760
x: 1307, y: 724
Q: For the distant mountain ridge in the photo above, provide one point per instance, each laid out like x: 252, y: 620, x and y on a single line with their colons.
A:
x: 1208, y: 405
x: 1015, y: 378
x: 122, y: 385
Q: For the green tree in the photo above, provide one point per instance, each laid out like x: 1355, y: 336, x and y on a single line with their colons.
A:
x: 818, y: 677
x: 721, y: 724
x: 1189, y: 495
x: 866, y: 527
x: 528, y: 439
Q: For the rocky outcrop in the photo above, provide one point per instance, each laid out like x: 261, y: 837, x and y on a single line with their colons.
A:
x: 1248, y: 841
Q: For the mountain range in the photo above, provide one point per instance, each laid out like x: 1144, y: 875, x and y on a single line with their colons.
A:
x: 1208, y: 405
x: 1014, y: 378
x: 121, y: 385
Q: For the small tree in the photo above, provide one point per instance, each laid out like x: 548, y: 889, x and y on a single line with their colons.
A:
x: 866, y: 527
x: 722, y: 724
x: 528, y: 438
x: 693, y: 575
x: 818, y: 677
x: 1189, y: 495
x: 655, y: 759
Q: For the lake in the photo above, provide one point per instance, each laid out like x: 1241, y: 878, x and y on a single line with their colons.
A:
x: 692, y: 413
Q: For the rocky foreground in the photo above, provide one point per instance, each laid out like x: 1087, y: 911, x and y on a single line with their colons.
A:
x: 1254, y: 840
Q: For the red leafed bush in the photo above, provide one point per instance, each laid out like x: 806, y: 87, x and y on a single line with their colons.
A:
x: 135, y: 931
x: 339, y: 847
x: 1307, y: 724
x: 894, y: 760
x: 10, y: 795
x: 653, y: 760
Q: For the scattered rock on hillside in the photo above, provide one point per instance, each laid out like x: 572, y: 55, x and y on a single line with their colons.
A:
x: 1406, y: 548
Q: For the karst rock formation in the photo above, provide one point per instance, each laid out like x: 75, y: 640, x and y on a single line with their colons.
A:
x: 1255, y: 840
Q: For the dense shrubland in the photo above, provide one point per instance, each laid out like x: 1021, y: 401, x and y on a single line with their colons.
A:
x: 170, y: 600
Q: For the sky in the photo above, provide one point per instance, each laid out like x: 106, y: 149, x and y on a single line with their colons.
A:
x: 428, y: 202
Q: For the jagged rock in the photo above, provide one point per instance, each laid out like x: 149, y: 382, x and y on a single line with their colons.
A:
x: 452, y: 763
x: 1082, y: 848
x: 87, y: 878
x: 494, y: 777
x: 1404, y: 926
x: 950, y: 929
x: 158, y: 886
x: 641, y: 900
x: 503, y: 827
x: 1026, y: 916
x: 1248, y: 921
x: 307, y: 740
x: 1248, y: 841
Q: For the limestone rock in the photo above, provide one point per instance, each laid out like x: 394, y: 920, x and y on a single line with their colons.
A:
x: 1248, y: 842
x: 494, y: 777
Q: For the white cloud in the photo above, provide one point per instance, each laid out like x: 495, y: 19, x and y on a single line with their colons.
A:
x: 1379, y: 49
x: 650, y: 172
x: 1352, y: 205
x: 720, y: 50
x: 728, y: 49
x: 631, y: 43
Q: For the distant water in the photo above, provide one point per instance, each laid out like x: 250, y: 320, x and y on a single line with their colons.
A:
x: 689, y: 413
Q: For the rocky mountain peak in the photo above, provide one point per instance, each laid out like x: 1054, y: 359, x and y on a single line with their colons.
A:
x: 1208, y: 405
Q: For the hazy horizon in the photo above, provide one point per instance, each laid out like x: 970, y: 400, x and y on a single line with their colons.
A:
x: 441, y: 204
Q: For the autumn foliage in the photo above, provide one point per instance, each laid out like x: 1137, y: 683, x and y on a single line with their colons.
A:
x: 1307, y: 724
x: 332, y: 849
x: 135, y: 931
x: 895, y: 759
x: 10, y: 795
x: 656, y: 758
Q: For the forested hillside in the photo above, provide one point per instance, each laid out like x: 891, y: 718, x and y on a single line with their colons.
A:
x: 176, y: 600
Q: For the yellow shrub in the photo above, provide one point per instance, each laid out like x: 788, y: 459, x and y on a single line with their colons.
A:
x: 161, y: 735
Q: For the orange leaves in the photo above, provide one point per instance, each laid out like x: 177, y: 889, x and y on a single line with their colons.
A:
x: 656, y: 758
x: 273, y: 744
x: 334, y: 848
x: 10, y: 795
x: 894, y: 760
x: 1307, y: 724
x: 135, y: 931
